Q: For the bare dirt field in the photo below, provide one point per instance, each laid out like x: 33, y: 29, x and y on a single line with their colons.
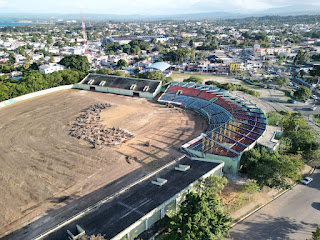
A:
x: 43, y: 167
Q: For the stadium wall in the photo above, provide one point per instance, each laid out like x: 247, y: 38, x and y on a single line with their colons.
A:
x: 35, y: 94
x: 230, y: 164
x: 169, y: 207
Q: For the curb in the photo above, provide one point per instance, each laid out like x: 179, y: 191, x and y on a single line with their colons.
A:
x: 257, y: 209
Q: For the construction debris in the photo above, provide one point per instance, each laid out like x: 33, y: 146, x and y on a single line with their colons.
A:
x: 88, y: 127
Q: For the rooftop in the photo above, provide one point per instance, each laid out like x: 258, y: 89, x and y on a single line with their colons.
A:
x: 268, y: 138
x: 127, y: 83
x: 161, y: 66
x: 116, y: 215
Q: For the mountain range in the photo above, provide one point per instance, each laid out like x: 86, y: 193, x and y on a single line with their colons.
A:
x: 301, y: 9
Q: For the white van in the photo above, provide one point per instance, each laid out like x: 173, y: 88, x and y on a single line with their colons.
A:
x: 313, y: 108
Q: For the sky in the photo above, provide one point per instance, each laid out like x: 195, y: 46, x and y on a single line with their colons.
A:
x: 144, y: 7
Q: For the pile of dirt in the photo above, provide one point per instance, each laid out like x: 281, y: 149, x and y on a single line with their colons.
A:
x: 89, y: 128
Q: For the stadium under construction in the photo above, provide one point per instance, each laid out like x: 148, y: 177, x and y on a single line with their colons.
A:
x: 235, y: 125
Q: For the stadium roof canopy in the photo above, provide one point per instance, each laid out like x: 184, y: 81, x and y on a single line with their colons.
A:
x: 161, y: 66
x: 126, y: 83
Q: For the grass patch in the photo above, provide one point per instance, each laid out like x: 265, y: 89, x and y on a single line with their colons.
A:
x: 240, y: 200
x: 316, y: 118
x: 184, y: 76
x: 274, y: 118
x: 234, y: 87
x: 278, y: 65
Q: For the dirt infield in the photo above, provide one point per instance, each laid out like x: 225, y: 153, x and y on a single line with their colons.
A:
x: 43, y: 167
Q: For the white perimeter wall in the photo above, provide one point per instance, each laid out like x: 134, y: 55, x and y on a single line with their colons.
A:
x: 34, y: 94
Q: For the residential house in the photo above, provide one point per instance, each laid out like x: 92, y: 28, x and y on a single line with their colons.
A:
x: 51, y: 67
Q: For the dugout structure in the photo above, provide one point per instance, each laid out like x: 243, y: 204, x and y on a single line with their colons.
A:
x: 120, y: 85
x: 235, y: 124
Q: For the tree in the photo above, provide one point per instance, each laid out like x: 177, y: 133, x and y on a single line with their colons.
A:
x: 178, y: 55
x: 302, y: 57
x: 153, y: 75
x: 316, y: 234
x: 194, y: 79
x: 34, y: 66
x: 298, y: 136
x: 269, y: 168
x: 201, y: 55
x: 213, y: 184
x: 34, y: 80
x: 76, y: 62
x: 20, y: 50
x: 302, y: 93
x: 122, y: 63
x: 280, y: 81
x: 315, y: 71
x: 153, y: 41
x: 302, y: 73
x: 51, y: 60
x: 302, y: 140
x: 201, y: 215
x: 26, y: 63
x: 119, y: 73
x: 106, y: 71
x: 136, y: 71
x: 126, y: 48
x: 316, y: 57
x: 92, y: 237
x: 250, y: 187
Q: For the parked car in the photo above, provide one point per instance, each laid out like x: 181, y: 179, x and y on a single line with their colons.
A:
x: 291, y: 101
x: 314, y: 96
x: 313, y: 107
x: 307, y: 180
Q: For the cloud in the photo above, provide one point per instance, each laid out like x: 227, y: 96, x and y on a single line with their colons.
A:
x: 3, y: 4
x: 145, y: 7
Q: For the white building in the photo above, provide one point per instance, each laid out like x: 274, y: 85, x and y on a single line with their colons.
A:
x: 51, y: 67
x: 77, y: 51
x: 36, y: 57
x: 54, y: 50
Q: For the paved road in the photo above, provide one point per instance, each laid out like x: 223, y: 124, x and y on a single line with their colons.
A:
x: 293, y: 215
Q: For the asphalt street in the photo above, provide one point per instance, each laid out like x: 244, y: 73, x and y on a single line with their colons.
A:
x: 294, y: 215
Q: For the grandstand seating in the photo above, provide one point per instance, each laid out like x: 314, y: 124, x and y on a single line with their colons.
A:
x: 212, y: 109
x: 198, y: 104
x: 191, y: 92
x: 232, y: 125
x: 206, y: 95
x: 173, y: 89
x: 184, y: 100
x: 167, y: 97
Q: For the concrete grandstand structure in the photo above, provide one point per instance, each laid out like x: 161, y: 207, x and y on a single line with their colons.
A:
x: 120, y: 85
x: 136, y: 210
x: 235, y: 124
